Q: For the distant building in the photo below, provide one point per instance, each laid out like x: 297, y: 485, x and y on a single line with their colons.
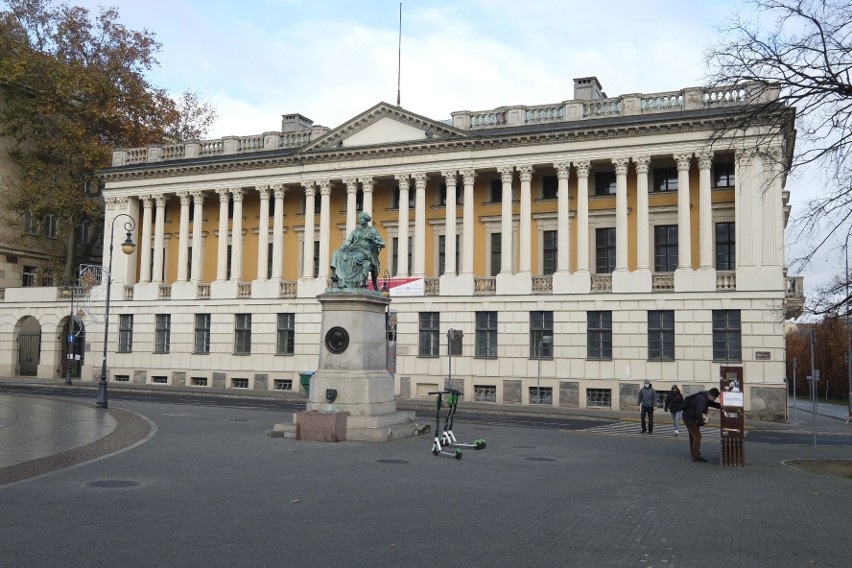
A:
x: 580, y: 247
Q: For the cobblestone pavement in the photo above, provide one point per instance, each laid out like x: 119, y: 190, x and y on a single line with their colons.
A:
x: 212, y: 489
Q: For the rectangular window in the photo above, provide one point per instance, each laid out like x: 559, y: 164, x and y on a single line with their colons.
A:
x: 723, y: 174
x: 202, y: 333
x: 286, y: 342
x: 549, y: 187
x: 396, y: 192
x: 486, y: 334
x: 429, y: 334
x: 541, y: 395
x: 496, y: 252
x: 30, y: 225
x: 359, y: 200
x: 599, y: 335
x: 665, y: 179
x: 665, y: 248
x: 125, y: 333
x: 605, y: 250
x: 541, y: 335
x: 605, y: 183
x: 50, y: 226
x: 30, y: 276
x: 496, y: 190
x: 242, y: 334
x: 550, y: 248
x: 162, y: 335
x: 726, y: 247
x: 83, y: 232
x: 442, y: 254
x: 442, y: 197
x: 727, y: 339
x: 661, y: 335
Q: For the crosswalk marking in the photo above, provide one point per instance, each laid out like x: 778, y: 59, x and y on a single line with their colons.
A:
x: 661, y: 431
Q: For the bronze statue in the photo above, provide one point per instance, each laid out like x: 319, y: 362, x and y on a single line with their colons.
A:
x: 357, y: 259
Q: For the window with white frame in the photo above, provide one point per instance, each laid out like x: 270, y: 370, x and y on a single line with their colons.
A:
x: 50, y: 226
x: 605, y: 183
x: 605, y: 250
x: 162, y: 333
x: 665, y: 179
x: 726, y: 246
x: 661, y: 335
x: 30, y: 225
x: 549, y: 187
x: 429, y: 335
x: 665, y: 248
x: 242, y: 334
x: 202, y: 334
x: 723, y: 174
x: 727, y: 335
x: 125, y: 333
x: 599, y: 335
x: 541, y: 335
x: 286, y: 336
x: 486, y: 335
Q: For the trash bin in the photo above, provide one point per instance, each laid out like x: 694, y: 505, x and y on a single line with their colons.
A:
x: 305, y: 381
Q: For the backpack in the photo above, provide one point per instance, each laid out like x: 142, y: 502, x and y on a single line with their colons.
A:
x: 686, y: 405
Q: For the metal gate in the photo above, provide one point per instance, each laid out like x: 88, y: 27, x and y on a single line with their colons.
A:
x: 29, y: 353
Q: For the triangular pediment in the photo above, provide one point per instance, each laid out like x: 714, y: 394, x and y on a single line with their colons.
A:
x: 385, y: 124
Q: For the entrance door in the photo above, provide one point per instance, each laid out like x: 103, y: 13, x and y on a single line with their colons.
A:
x: 29, y: 352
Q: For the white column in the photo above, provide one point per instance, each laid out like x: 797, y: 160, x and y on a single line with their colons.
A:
x: 419, y: 225
x: 222, y: 249
x: 237, y: 236
x: 197, y: 223
x: 642, y: 226
x: 159, y: 237
x: 582, y: 216
x: 684, y: 231
x: 450, y: 233
x: 705, y: 211
x: 351, y: 192
x: 144, y: 241
x: 467, y: 222
x: 563, y: 219
x: 506, y: 175
x: 278, y: 231
x: 308, y: 244
x: 367, y: 187
x: 525, y: 254
x: 404, y: 182
x: 621, y: 213
x: 325, y: 228
x: 263, y: 233
x: 773, y: 209
x: 183, y: 237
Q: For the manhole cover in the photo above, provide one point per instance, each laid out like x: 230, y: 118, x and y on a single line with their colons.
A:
x: 524, y: 447
x: 391, y: 461
x: 541, y: 459
x: 113, y: 483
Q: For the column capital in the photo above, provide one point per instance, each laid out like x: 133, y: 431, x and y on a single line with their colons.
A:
x: 197, y: 196
x: 237, y: 193
x: 310, y: 188
x: 683, y: 161
x: 563, y: 169
x: 263, y: 191
x: 403, y: 179
x: 525, y: 172
x: 324, y: 187
x: 705, y: 159
x: 351, y: 185
x: 469, y: 175
x: 643, y: 163
x: 621, y: 165
x: 420, y: 180
x: 507, y: 173
x: 160, y: 200
x: 366, y: 184
x: 224, y: 194
x: 279, y: 190
x: 745, y: 154
x: 109, y: 203
x: 146, y: 201
x: 450, y: 176
x: 184, y: 198
x: 583, y: 168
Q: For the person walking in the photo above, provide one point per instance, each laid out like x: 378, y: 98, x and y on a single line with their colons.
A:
x: 674, y: 400
x: 694, y: 408
x: 647, y: 401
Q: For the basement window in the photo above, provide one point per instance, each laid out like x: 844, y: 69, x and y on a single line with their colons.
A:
x: 599, y: 398
x: 239, y: 383
x: 160, y: 380
x: 198, y: 381
x: 283, y: 384
x: 484, y: 393
x: 541, y: 395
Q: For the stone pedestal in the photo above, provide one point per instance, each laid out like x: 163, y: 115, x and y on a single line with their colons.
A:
x: 352, y: 378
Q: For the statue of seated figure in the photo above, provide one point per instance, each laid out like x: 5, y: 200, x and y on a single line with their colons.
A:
x: 353, y: 264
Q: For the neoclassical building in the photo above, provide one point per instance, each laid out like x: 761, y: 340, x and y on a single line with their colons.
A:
x: 577, y: 248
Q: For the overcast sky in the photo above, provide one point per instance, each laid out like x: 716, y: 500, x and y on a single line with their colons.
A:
x: 331, y: 60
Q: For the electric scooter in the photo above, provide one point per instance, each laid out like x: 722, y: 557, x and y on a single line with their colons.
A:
x: 447, y: 436
x: 437, y: 446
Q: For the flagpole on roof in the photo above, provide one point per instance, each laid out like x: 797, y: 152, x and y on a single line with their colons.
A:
x: 399, y: 57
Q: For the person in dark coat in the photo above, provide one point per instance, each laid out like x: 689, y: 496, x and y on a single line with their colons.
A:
x: 674, y: 400
x: 693, y: 418
x: 647, y: 401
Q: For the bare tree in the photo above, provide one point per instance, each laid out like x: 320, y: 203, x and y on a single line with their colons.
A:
x: 803, y: 50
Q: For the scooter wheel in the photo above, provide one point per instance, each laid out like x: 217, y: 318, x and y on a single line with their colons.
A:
x: 458, y: 454
x: 480, y: 444
x: 435, y: 451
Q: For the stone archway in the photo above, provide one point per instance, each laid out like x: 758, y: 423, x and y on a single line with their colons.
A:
x: 28, y: 339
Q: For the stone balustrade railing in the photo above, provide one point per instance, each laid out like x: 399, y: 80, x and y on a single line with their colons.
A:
x: 662, y: 281
x: 165, y: 292
x: 433, y: 286
x: 204, y: 291
x: 128, y: 292
x: 601, y: 282
x: 484, y: 285
x: 288, y: 289
x: 542, y: 284
x: 626, y: 105
x: 244, y: 290
x: 726, y: 280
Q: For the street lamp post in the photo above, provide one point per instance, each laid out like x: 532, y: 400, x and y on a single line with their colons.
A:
x: 848, y: 343
x: 127, y: 247
x: 71, y: 336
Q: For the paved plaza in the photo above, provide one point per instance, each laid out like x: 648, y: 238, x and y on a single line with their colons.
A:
x: 163, y: 484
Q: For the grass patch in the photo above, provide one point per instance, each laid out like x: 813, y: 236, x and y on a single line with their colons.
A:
x: 833, y: 468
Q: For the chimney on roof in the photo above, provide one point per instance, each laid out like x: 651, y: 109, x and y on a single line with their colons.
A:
x: 295, y: 122
x: 588, y: 89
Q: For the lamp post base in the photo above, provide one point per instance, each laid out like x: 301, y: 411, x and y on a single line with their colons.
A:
x: 101, y: 401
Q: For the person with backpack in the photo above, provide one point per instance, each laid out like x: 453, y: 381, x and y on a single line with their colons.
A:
x: 647, y: 402
x: 674, y: 401
x: 694, y: 408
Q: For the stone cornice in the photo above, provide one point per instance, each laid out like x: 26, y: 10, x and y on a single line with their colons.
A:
x: 407, y: 153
